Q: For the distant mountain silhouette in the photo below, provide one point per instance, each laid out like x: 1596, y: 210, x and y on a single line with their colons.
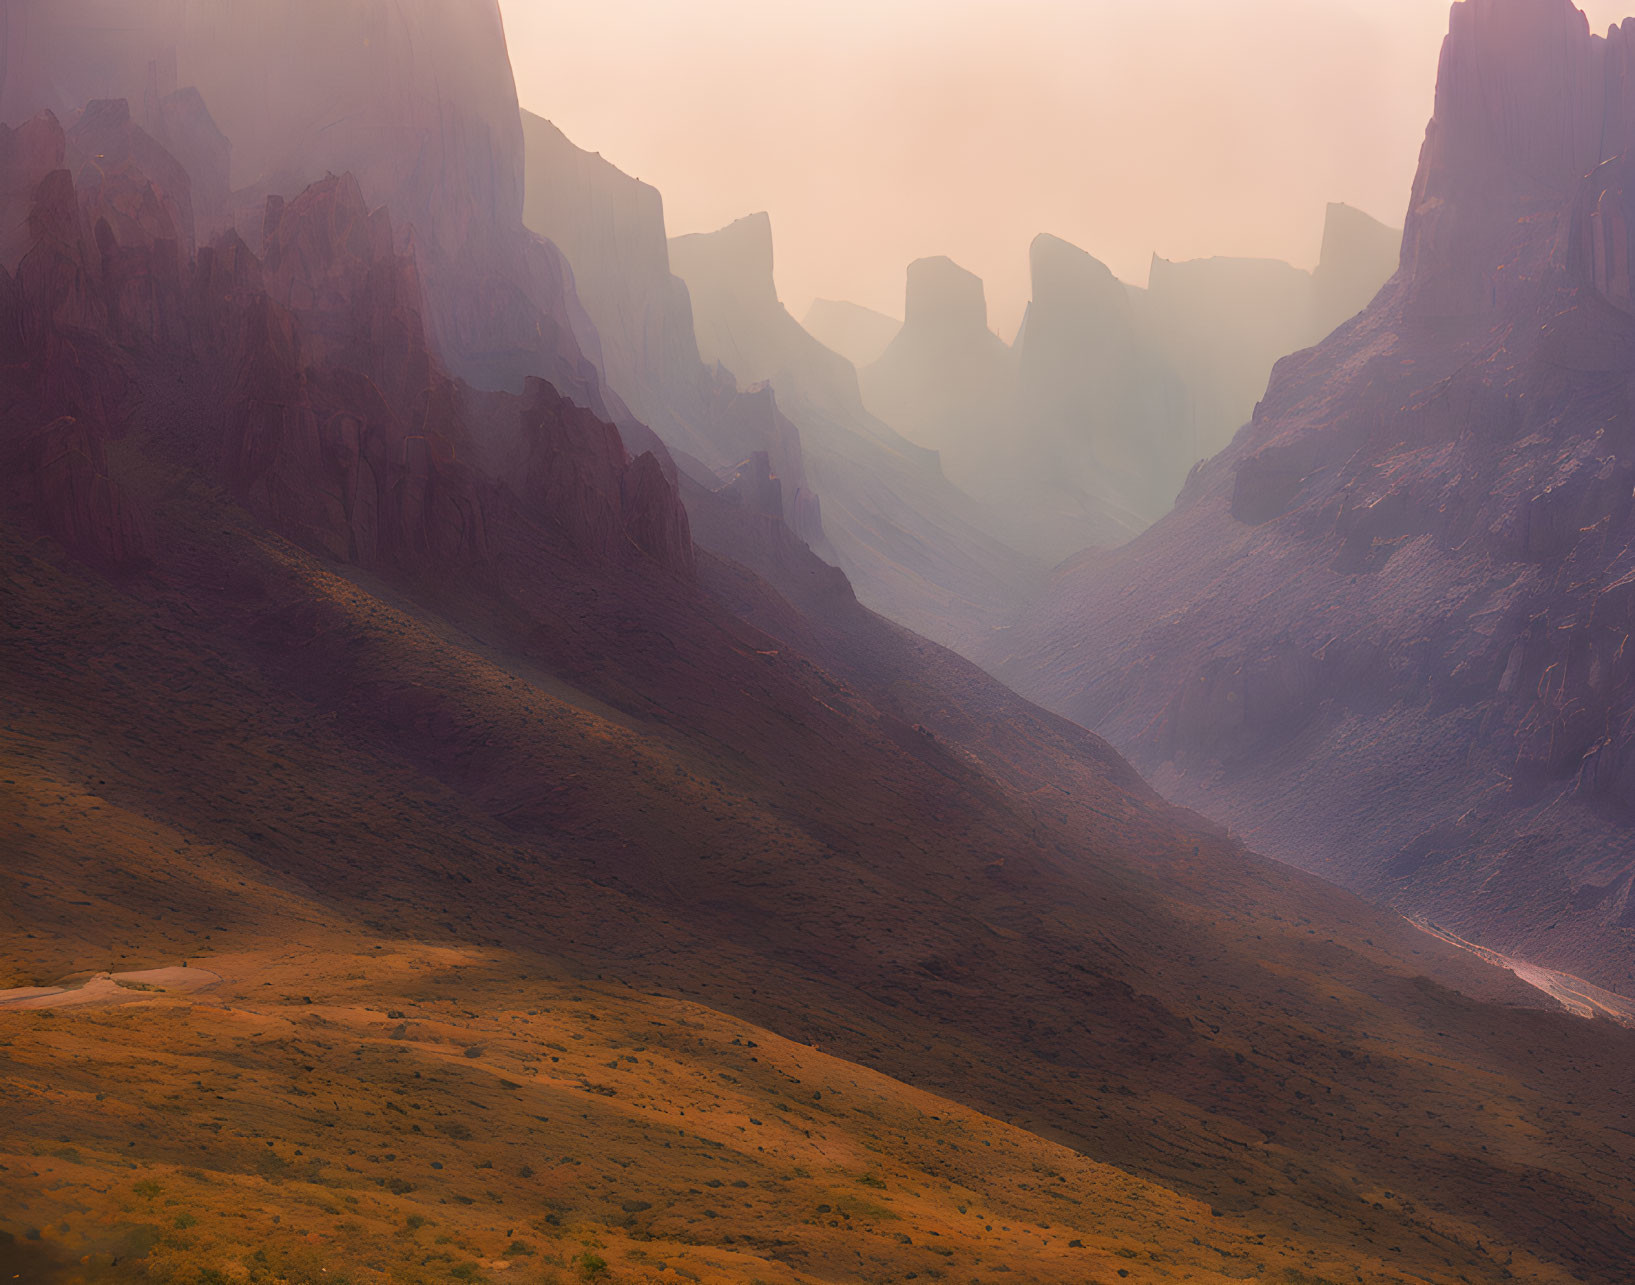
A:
x: 1386, y: 629
x: 857, y: 333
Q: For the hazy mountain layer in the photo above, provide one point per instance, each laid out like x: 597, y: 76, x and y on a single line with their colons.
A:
x: 332, y: 665
x: 1084, y: 434
x: 857, y: 333
x: 1384, y: 632
x: 918, y: 548
x: 611, y: 228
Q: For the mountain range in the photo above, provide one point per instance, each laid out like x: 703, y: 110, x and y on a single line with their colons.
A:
x: 1383, y: 633
x: 454, y: 834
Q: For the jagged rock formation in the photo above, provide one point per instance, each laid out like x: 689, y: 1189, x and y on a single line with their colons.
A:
x: 917, y: 548
x: 1387, y: 630
x: 946, y: 382
x: 857, y: 333
x: 1097, y: 401
x: 742, y: 325
x: 413, y: 97
x: 309, y: 379
x: 611, y: 228
x: 1084, y: 435
x: 1223, y: 323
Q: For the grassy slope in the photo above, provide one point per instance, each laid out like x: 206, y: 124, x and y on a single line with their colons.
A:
x: 312, y: 785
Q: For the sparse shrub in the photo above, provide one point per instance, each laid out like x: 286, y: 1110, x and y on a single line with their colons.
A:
x: 591, y: 1265
x: 186, y: 1220
x: 147, y: 1188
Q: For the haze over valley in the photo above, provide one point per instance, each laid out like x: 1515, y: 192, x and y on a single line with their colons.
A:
x: 625, y: 662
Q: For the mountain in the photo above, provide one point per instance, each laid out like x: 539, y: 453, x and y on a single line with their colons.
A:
x: 426, y: 859
x: 946, y: 382
x: 1083, y: 435
x: 470, y: 871
x: 917, y: 548
x: 1223, y: 323
x: 1106, y: 422
x: 857, y: 333
x: 1384, y: 630
x: 610, y: 227
x: 414, y: 98
x: 1359, y: 255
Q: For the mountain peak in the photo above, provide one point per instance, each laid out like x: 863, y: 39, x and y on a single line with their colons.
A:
x: 739, y: 255
x: 1528, y: 102
x: 1062, y: 273
x: 943, y: 294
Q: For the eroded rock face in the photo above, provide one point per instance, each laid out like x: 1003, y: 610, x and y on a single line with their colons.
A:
x: 917, y: 547
x: 611, y: 229
x: 1106, y: 416
x: 78, y: 501
x: 414, y: 98
x: 1400, y: 600
x: 319, y: 400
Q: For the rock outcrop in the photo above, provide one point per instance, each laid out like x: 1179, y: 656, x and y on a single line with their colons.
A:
x: 858, y: 334
x: 611, y: 229
x: 947, y: 382
x: 917, y: 548
x: 415, y: 98
x: 1390, y: 623
x: 317, y: 397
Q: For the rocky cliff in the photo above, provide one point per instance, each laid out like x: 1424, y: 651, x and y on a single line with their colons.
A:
x: 1084, y: 434
x: 918, y: 548
x: 611, y: 229
x: 946, y: 382
x: 415, y: 98
x: 302, y: 377
x: 1386, y: 630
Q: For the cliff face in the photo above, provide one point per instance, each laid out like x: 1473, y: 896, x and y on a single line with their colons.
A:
x: 414, y: 98
x: 610, y: 227
x: 1106, y: 422
x: 742, y: 324
x: 1390, y: 622
x: 946, y: 382
x: 996, y: 417
x: 302, y: 377
x: 1222, y: 324
x: 917, y: 548
x: 1083, y: 436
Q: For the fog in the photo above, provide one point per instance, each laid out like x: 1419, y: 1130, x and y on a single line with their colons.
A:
x: 878, y: 133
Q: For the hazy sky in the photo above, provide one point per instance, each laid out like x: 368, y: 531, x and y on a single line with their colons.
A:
x: 879, y: 131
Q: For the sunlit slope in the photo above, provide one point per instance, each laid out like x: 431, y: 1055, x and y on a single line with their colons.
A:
x: 254, y: 763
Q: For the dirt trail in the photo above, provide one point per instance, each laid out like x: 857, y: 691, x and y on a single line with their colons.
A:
x: 112, y: 988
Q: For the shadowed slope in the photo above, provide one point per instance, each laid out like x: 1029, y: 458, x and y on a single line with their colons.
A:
x: 1386, y: 631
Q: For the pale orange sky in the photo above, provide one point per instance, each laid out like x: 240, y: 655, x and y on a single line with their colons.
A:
x: 879, y: 131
